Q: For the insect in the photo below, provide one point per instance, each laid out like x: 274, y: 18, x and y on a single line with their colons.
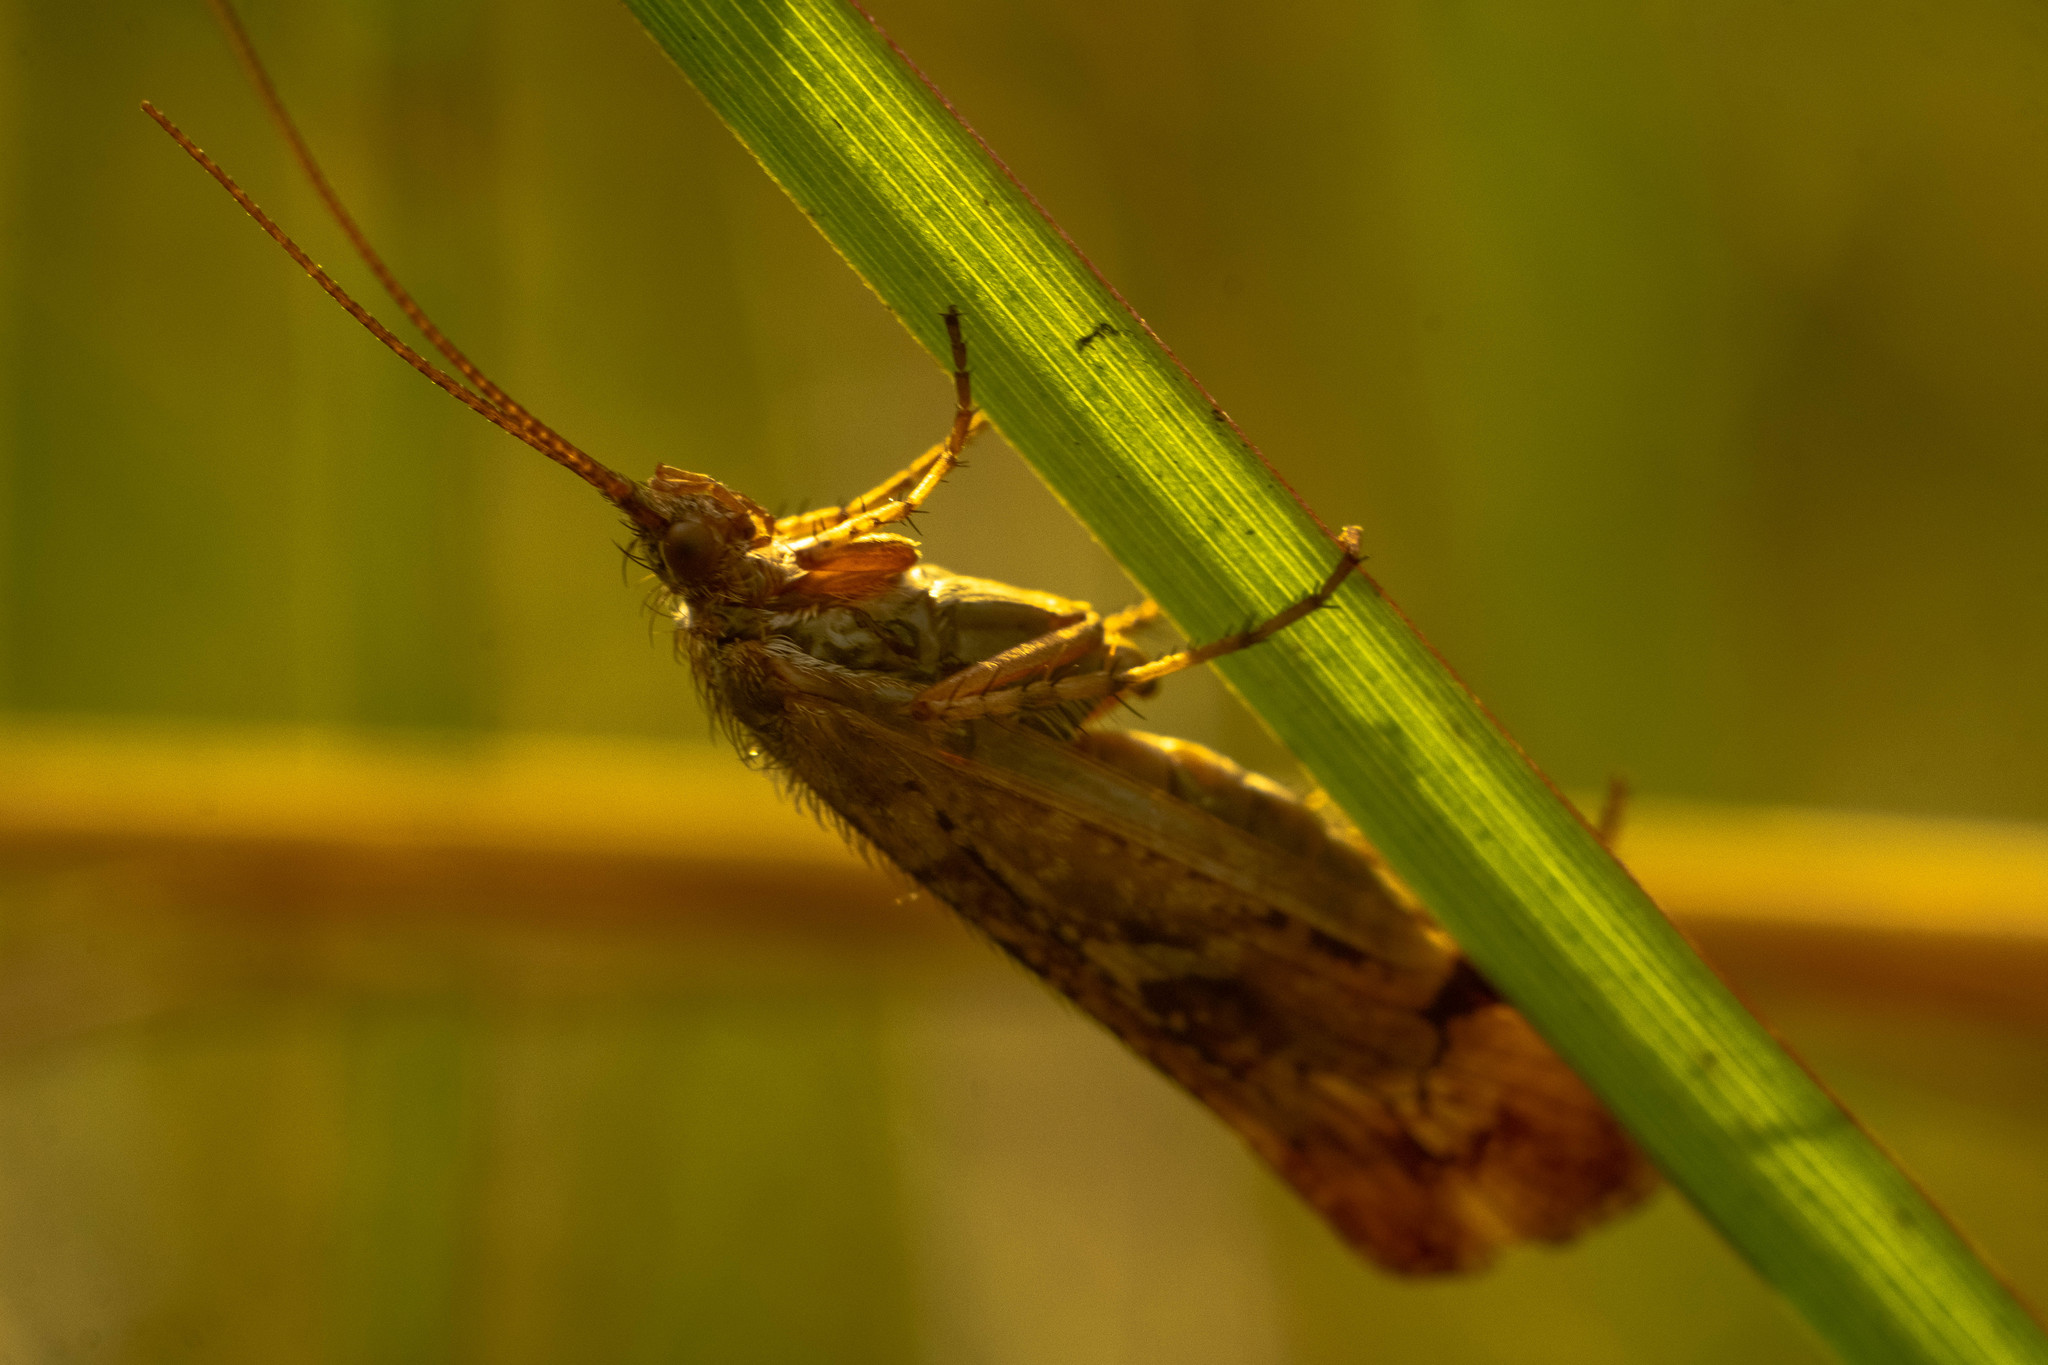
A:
x: 1220, y: 927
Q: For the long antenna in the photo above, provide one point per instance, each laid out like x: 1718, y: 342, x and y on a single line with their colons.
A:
x: 622, y: 492
x: 273, y: 104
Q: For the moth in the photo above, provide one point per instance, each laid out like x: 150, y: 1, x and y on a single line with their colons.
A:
x: 1253, y: 951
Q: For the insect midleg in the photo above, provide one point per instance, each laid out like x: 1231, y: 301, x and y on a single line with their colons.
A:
x: 1230, y: 644
x: 900, y: 496
x: 997, y: 677
x: 1050, y: 651
x: 941, y: 702
x: 1130, y: 618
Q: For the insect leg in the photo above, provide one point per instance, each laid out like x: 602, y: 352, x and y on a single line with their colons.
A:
x: 1265, y: 630
x: 900, y: 496
x: 1130, y: 618
x: 1612, y: 810
x: 1116, y: 630
x: 994, y: 687
x: 891, y: 489
x: 1053, y: 692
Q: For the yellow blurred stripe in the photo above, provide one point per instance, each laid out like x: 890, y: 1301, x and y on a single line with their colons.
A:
x: 1841, y: 868
x: 681, y: 817
x: 523, y: 821
x: 521, y: 791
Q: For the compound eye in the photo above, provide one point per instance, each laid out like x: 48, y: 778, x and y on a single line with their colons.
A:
x: 689, y: 550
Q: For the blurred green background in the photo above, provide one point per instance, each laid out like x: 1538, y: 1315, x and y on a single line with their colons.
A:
x: 1684, y: 364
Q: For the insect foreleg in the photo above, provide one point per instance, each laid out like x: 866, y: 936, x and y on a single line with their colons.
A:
x: 892, y: 489
x: 897, y: 498
x: 973, y: 692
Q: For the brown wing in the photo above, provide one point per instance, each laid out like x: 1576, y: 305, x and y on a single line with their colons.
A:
x: 1275, y: 975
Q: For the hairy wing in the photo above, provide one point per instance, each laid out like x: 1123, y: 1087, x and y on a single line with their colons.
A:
x: 1257, y: 960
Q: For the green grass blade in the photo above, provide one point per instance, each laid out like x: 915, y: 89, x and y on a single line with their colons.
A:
x: 929, y: 220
